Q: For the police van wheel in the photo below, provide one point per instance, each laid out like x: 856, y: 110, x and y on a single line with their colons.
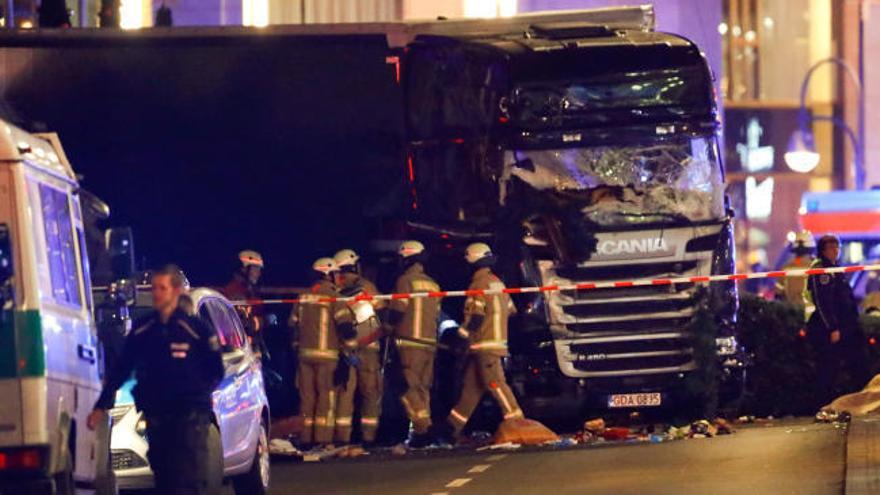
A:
x: 256, y: 480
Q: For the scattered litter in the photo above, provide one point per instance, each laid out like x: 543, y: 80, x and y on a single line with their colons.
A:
x: 500, y: 446
x: 562, y: 442
x: 525, y: 432
x: 723, y: 426
x: 398, y: 450
x: 616, y: 433
x: 352, y: 451
x: 704, y: 428
x: 745, y: 419
x: 595, y: 426
x: 278, y: 446
x: 654, y: 438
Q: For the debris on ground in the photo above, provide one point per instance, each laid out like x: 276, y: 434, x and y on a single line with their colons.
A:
x: 745, y: 419
x: 398, y: 450
x: 829, y: 416
x: 351, y: 451
x: 282, y: 447
x: 524, y: 432
x: 500, y: 446
x: 723, y: 426
x: 616, y: 433
x: 860, y: 403
x: 322, y: 453
x: 595, y: 426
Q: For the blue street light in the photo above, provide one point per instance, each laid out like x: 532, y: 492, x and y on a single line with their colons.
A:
x: 801, y: 155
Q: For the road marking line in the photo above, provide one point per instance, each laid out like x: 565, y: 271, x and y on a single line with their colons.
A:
x: 479, y: 468
x: 459, y: 482
x: 497, y: 457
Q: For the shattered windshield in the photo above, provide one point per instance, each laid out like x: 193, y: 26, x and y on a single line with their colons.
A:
x: 675, y: 179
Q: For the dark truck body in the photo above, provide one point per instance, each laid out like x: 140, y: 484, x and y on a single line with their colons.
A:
x: 426, y: 130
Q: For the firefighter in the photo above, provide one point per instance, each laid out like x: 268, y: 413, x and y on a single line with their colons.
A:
x: 177, y: 363
x: 834, y: 328
x: 414, y: 323
x: 484, y: 332
x: 794, y: 289
x: 366, y: 378
x: 244, y: 286
x: 324, y: 328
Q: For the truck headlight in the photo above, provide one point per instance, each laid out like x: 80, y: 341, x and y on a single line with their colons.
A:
x: 726, y: 346
x: 141, y: 426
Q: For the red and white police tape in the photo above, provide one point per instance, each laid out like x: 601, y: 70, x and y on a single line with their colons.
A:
x: 574, y: 287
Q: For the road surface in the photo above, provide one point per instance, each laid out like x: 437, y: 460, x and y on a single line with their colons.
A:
x: 794, y: 456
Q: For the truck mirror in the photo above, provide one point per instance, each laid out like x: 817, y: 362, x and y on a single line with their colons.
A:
x: 120, y: 247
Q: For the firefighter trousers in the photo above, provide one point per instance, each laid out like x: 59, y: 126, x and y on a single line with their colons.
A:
x: 317, y: 399
x: 366, y: 381
x: 483, y: 373
x: 418, y: 372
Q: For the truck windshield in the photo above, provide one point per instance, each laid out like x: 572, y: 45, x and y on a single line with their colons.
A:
x: 673, y: 179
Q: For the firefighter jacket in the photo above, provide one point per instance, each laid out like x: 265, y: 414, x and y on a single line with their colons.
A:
x: 419, y: 314
x: 365, y: 286
x: 494, y: 310
x: 318, y: 320
x: 836, y: 307
x: 176, y: 364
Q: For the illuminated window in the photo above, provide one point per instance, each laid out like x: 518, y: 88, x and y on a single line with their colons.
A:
x: 255, y: 13
x: 489, y: 8
x: 131, y: 14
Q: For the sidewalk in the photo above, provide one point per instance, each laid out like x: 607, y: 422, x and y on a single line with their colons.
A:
x: 863, y: 456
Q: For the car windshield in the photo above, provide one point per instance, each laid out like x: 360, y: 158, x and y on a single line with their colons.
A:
x: 676, y: 179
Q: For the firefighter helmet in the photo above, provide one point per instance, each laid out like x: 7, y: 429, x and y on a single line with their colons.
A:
x: 346, y: 257
x: 802, y: 240
x: 249, y: 257
x: 410, y: 248
x: 325, y: 266
x: 477, y: 251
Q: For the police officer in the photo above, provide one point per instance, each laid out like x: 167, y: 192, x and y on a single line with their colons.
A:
x: 244, y: 286
x: 414, y: 322
x: 176, y: 360
x: 323, y: 328
x: 834, y: 327
x: 794, y: 289
x: 366, y: 378
x: 484, y: 332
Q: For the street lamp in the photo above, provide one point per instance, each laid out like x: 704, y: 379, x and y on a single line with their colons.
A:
x: 801, y: 155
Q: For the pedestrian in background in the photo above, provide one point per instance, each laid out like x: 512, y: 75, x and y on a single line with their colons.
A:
x: 176, y: 360
x: 833, y: 328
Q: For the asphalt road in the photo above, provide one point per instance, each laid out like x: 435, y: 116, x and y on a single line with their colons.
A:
x: 795, y: 457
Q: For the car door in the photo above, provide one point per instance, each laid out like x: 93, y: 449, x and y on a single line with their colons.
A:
x: 231, y: 404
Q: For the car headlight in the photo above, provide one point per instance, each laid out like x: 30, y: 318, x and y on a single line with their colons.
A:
x: 726, y: 346
x: 141, y: 426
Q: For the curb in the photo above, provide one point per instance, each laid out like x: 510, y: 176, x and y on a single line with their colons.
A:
x: 863, y: 456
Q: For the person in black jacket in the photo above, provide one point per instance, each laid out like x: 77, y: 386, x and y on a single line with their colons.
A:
x: 833, y: 328
x: 176, y: 360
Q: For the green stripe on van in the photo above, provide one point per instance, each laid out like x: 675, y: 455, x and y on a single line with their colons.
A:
x: 21, y: 344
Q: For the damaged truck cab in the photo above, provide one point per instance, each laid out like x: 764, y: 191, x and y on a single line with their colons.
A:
x: 584, y: 153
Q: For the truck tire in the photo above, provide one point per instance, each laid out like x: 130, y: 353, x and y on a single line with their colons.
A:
x: 256, y: 480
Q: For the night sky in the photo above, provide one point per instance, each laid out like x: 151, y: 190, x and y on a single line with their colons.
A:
x: 206, y: 147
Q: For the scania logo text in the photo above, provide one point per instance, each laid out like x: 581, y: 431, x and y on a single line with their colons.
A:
x: 651, y: 245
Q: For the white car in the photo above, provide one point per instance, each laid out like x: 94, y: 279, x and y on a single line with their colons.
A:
x: 241, y: 411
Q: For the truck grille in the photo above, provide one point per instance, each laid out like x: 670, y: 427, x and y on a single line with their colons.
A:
x: 126, y: 459
x: 632, y: 331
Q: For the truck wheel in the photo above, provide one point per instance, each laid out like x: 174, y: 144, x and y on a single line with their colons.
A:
x: 256, y: 480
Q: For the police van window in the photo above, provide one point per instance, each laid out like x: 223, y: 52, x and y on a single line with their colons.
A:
x: 60, y: 249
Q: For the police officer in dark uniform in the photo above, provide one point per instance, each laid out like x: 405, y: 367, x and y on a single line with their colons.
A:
x: 833, y: 328
x: 176, y: 360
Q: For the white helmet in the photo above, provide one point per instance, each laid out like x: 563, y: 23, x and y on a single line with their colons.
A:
x: 804, y: 239
x: 346, y: 257
x: 250, y: 257
x: 325, y: 266
x: 410, y: 248
x: 476, y: 252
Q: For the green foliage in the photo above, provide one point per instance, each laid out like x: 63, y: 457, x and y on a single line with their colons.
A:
x: 780, y: 379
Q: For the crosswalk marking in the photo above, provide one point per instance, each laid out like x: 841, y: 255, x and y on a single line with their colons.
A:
x: 458, y: 482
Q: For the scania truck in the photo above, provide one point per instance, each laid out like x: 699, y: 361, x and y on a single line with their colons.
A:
x: 582, y: 144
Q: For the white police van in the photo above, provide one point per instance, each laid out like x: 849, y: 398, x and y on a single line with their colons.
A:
x: 49, y: 363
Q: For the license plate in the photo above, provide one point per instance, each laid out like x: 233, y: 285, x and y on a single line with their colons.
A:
x: 634, y: 400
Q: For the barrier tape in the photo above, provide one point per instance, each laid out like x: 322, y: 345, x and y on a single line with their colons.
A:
x: 575, y: 287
